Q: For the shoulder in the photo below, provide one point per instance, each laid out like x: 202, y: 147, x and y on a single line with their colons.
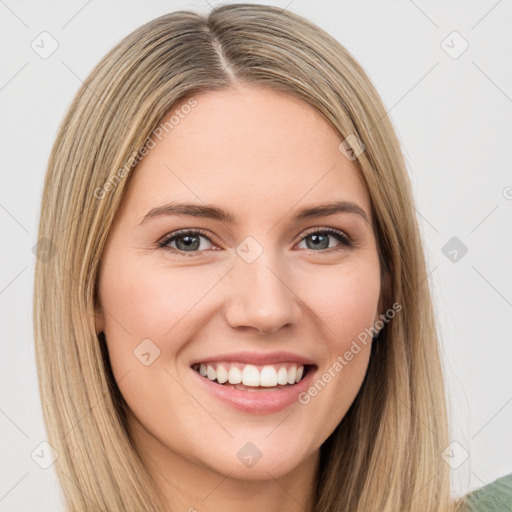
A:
x: 493, y: 497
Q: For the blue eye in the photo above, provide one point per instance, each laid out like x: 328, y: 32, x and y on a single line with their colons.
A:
x: 320, y: 239
x: 188, y: 242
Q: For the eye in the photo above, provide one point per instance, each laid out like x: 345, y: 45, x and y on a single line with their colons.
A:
x: 186, y: 241
x: 319, y: 239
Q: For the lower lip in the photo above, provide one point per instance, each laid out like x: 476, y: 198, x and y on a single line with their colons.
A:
x: 258, y: 402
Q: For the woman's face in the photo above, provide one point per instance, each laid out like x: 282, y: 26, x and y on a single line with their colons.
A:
x: 277, y: 280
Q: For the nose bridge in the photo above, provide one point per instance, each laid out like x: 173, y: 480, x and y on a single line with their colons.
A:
x: 261, y: 297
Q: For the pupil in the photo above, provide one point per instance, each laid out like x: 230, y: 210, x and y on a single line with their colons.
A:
x: 191, y: 242
x: 315, y: 238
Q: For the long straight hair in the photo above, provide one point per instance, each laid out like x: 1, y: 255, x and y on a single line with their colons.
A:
x: 386, y: 453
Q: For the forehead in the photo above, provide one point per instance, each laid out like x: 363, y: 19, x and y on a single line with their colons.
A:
x: 251, y: 149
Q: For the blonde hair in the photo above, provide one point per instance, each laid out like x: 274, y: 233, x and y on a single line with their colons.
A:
x: 386, y: 453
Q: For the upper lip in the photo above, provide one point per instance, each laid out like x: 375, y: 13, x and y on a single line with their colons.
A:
x: 256, y: 358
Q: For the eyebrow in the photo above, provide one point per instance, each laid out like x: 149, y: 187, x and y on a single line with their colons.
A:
x: 212, y: 212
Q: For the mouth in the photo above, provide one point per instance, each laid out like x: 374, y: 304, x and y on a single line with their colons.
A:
x: 254, y: 378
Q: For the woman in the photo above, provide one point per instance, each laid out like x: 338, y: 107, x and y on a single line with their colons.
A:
x: 244, y: 319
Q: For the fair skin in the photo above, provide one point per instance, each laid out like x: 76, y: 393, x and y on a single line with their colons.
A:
x: 263, y: 156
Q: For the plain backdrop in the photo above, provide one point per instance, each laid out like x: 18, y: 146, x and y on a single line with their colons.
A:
x: 444, y: 72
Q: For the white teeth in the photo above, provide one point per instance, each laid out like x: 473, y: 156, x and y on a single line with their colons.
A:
x: 292, y: 375
x: 211, y: 373
x: 252, y: 376
x: 268, y: 377
x: 222, y: 374
x: 234, y: 375
x: 282, y: 376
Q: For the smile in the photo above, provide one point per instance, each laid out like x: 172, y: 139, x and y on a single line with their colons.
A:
x: 251, y: 377
x: 252, y: 388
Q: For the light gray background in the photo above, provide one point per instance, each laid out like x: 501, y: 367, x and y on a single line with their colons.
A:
x: 453, y: 116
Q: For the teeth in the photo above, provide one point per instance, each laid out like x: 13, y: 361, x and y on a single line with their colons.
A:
x: 282, y: 376
x: 234, y: 375
x: 292, y: 374
x: 268, y: 377
x: 222, y: 374
x: 251, y: 375
x: 211, y: 373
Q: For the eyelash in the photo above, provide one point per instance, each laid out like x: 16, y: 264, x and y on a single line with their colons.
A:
x: 346, y: 242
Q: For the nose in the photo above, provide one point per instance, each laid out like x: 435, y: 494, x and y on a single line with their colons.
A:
x: 260, y: 296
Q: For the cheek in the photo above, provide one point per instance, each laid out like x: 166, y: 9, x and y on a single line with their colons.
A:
x: 345, y: 300
x: 151, y: 301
